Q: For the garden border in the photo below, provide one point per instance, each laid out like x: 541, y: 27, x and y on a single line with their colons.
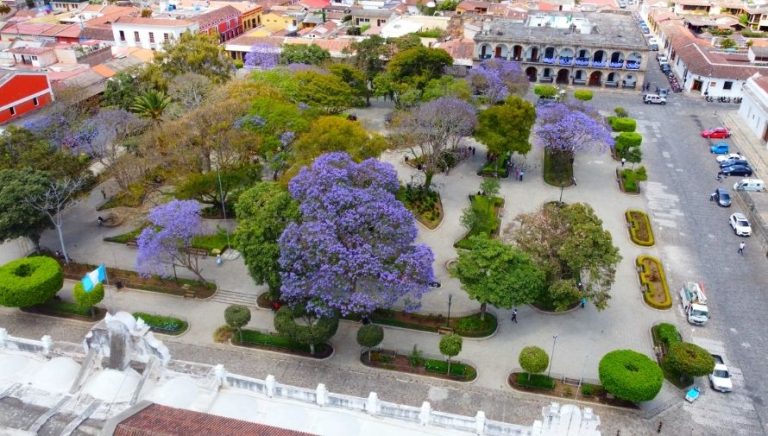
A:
x: 662, y: 276
x: 460, y: 382
x: 621, y: 186
x: 630, y: 228
x: 282, y: 353
x: 189, y: 325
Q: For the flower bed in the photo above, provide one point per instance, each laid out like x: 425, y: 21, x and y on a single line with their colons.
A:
x: 544, y: 385
x: 282, y: 344
x: 209, y: 243
x: 63, y: 309
x: 468, y: 326
x: 131, y: 279
x: 664, y: 335
x: 639, y: 227
x: 163, y: 324
x: 425, y: 205
x: 629, y: 179
x: 430, y: 367
x: 652, y: 278
x: 487, y: 209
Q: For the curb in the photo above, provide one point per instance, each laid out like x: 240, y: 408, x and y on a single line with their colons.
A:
x: 281, y: 353
x: 429, y: 377
x: 406, y: 329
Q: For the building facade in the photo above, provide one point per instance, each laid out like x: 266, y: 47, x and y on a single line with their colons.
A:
x: 601, y: 49
x: 754, y: 107
x: 149, y: 33
x: 21, y: 93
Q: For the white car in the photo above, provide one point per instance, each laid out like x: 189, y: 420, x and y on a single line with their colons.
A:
x: 720, y: 379
x: 725, y: 157
x: 740, y: 224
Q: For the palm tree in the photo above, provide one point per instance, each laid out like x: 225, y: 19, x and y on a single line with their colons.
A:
x: 151, y: 104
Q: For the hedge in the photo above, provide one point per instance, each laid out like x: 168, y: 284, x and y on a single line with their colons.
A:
x: 645, y: 279
x: 630, y: 179
x: 29, y: 281
x: 628, y: 140
x: 689, y: 359
x: 90, y: 298
x: 582, y: 94
x: 630, y: 375
x: 302, y: 333
x: 536, y: 381
x: 468, y: 372
x: 639, y: 227
x: 545, y: 90
x: 163, y: 324
x: 668, y: 334
x: 622, y: 124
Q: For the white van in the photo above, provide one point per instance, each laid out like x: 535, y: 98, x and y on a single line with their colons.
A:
x: 654, y: 99
x: 749, y: 185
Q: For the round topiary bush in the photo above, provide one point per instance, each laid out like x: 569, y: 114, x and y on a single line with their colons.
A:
x: 623, y: 124
x: 310, y: 331
x: 582, y: 94
x: 90, y: 298
x: 533, y: 360
x: 630, y: 375
x: 689, y: 359
x: 370, y: 335
x: 29, y: 281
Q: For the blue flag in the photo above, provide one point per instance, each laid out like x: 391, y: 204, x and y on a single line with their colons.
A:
x: 94, y: 277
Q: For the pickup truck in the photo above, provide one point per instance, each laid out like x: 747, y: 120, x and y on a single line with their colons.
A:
x: 720, y: 379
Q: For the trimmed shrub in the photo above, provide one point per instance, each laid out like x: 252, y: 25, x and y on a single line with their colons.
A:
x: 237, y: 316
x: 533, y: 360
x: 545, y: 90
x: 314, y: 332
x: 29, y: 281
x: 162, y: 324
x: 630, y: 178
x: 639, y: 227
x: 88, y: 299
x: 620, y: 112
x: 626, y: 140
x: 689, y: 359
x: 582, y: 94
x: 623, y: 124
x: 630, y: 375
x: 369, y: 336
x: 668, y: 334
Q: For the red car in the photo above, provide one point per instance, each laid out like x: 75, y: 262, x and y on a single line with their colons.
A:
x: 716, y: 133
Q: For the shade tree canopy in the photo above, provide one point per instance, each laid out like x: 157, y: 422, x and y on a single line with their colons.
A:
x: 506, y: 128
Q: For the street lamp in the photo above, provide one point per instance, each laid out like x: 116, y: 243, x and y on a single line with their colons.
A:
x: 450, y: 298
x: 552, y: 354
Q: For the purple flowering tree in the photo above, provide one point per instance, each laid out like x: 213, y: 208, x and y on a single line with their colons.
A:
x: 167, y: 241
x: 262, y: 57
x: 496, y: 79
x: 564, y: 129
x: 353, y: 250
x: 432, y: 128
x: 106, y: 131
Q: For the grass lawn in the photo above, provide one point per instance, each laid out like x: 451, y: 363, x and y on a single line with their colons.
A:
x: 487, y: 209
x: 210, y: 242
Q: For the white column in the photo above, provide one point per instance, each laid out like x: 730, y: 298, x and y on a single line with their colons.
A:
x: 480, y: 422
x: 426, y: 411
x: 321, y: 395
x: 47, y: 342
x: 270, y: 382
x: 3, y: 337
x: 372, y: 404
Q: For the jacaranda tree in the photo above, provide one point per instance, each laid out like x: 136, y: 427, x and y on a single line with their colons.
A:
x: 496, y: 79
x: 564, y: 129
x: 167, y: 241
x: 262, y: 56
x: 354, y: 249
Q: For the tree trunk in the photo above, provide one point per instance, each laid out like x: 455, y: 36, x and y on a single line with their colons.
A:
x: 449, y: 366
x: 483, y: 308
x: 428, y: 174
x: 61, y: 241
x: 93, y: 311
x: 312, y: 349
x: 369, y: 355
x: 240, y: 334
x: 562, y: 166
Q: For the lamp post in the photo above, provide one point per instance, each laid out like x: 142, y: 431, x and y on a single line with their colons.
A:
x: 223, y: 205
x: 562, y: 186
x: 552, y: 354
x: 450, y: 298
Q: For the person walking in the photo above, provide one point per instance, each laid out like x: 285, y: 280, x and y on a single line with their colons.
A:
x: 522, y: 173
x: 514, y: 315
x: 104, y: 194
x: 741, y: 248
x: 623, y: 161
x: 583, y: 302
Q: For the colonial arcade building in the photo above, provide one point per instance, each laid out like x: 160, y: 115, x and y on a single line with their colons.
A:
x: 600, y: 49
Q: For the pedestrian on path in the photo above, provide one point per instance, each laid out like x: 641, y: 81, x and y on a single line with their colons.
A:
x: 514, y: 315
x: 104, y: 194
x: 522, y: 173
x: 583, y: 302
x: 623, y: 161
x: 219, y: 260
x: 741, y: 248
x: 712, y: 196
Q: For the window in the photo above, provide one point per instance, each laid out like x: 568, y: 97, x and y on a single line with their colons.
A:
x: 136, y: 36
x: 13, y: 111
x: 122, y: 36
x: 166, y: 37
x: 151, y: 37
x: 35, y: 101
x: 34, y: 58
x: 728, y: 85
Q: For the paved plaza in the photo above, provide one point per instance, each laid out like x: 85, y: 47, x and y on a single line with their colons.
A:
x: 693, y: 241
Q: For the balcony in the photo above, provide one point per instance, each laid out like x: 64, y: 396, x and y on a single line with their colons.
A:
x: 550, y: 61
x: 582, y: 62
x: 564, y: 60
x: 616, y: 65
x: 633, y: 65
x: 596, y: 64
x: 611, y: 84
x: 547, y: 79
x: 579, y: 81
x: 628, y: 85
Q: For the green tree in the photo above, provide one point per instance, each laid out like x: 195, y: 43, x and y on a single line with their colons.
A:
x: 151, y: 104
x: 405, y: 42
x: 19, y: 219
x: 413, y: 68
x: 569, y: 242
x: 262, y: 214
x: 728, y: 43
x: 499, y: 274
x: 368, y: 56
x: 89, y: 299
x: 506, y: 128
x: 324, y: 91
x: 689, y: 359
x: 122, y: 89
x: 21, y: 148
x: 206, y: 189
x: 369, y: 336
x: 582, y: 94
x: 311, y: 331
x: 533, y: 360
x: 630, y: 375
x: 546, y: 91
x: 29, y: 281
x: 304, y: 54
x: 490, y: 186
x: 237, y: 316
x: 450, y: 345
x: 447, y: 86
x: 194, y: 52
x: 355, y: 79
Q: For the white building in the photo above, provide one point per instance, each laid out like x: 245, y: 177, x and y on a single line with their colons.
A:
x: 754, y: 107
x: 149, y: 33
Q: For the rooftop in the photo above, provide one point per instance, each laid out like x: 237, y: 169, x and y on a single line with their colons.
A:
x: 605, y: 29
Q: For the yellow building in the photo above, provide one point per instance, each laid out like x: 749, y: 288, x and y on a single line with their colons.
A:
x: 276, y: 22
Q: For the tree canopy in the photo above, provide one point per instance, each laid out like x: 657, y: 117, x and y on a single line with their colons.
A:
x: 194, y: 52
x: 311, y: 54
x: 354, y: 249
x: 507, y: 127
x: 499, y: 274
x: 19, y: 219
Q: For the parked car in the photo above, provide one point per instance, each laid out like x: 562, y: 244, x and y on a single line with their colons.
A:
x: 716, y: 133
x: 737, y: 170
x: 724, y: 157
x: 740, y: 224
x: 665, y: 68
x: 722, y: 197
x: 720, y: 379
x: 731, y: 162
x: 654, y: 99
x: 662, y: 58
x: 719, y: 148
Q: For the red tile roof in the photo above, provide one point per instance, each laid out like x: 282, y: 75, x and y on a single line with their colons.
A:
x: 216, y: 16
x: 157, y: 420
x: 315, y: 4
